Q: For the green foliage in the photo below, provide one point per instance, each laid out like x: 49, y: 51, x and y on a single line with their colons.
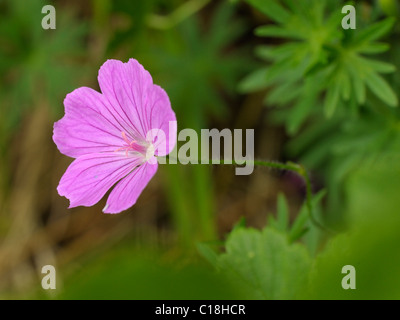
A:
x: 373, y: 190
x: 194, y: 66
x: 373, y: 251
x: 319, y: 63
x: 36, y: 66
x: 340, y: 145
x: 334, y: 90
x: 125, y: 274
x: 329, y: 92
x: 269, y: 264
x: 281, y: 223
x: 333, y: 98
x: 263, y: 264
x: 371, y: 245
x: 301, y: 227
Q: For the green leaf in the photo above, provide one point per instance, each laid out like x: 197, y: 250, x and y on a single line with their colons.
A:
x: 264, y: 265
x: 304, y: 105
x: 284, y: 94
x: 272, y: 9
x: 296, y: 6
x: 379, y: 66
x: 300, y: 112
x: 332, y: 99
x: 254, y: 81
x: 278, y: 53
x: 266, y: 52
x: 381, y: 89
x: 282, y: 214
x: 345, y: 85
x: 299, y: 227
x: 207, y: 253
x: 375, y: 31
x: 124, y: 274
x: 358, y: 84
x: 374, y: 48
x: 274, y: 31
x: 279, y: 70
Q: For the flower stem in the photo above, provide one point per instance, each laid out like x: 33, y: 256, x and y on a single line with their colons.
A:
x: 183, y: 12
x: 289, y: 166
x: 300, y: 170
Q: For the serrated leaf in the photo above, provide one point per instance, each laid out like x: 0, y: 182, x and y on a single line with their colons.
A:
x: 264, y: 265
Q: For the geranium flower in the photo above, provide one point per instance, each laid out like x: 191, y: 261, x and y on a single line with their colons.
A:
x: 115, y: 136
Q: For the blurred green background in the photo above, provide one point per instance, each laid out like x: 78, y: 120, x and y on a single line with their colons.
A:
x: 314, y: 93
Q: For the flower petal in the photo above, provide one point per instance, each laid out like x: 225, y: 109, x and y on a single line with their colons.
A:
x: 89, y: 177
x: 126, y: 86
x: 163, y: 118
x: 130, y: 90
x: 126, y: 192
x: 87, y: 126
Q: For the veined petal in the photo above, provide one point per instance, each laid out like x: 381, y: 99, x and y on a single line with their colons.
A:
x: 90, y: 176
x: 142, y: 104
x: 87, y: 126
x: 115, y: 136
x: 126, y: 192
x: 162, y: 118
x: 127, y: 86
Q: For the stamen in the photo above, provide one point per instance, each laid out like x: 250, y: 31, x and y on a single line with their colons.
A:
x: 132, y: 146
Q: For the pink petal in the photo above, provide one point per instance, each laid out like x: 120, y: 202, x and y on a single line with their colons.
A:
x: 143, y: 105
x: 87, y: 126
x: 163, y: 118
x: 126, y: 192
x: 90, y: 176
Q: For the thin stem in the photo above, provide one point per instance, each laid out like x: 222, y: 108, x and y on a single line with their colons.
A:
x: 290, y: 166
x: 304, y: 174
x: 300, y: 170
x: 177, y: 16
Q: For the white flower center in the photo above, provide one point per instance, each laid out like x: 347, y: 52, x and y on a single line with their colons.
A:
x: 149, y: 152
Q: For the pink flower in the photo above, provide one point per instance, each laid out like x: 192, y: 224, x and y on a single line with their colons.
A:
x: 114, y: 136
